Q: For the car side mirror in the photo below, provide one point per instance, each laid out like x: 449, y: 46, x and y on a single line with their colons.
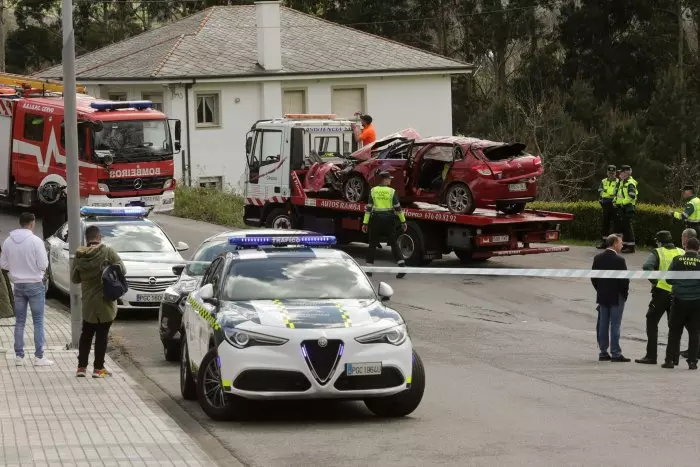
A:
x: 248, y: 144
x: 177, y: 270
x: 206, y: 292
x: 385, y: 291
x: 182, y: 246
x: 178, y: 134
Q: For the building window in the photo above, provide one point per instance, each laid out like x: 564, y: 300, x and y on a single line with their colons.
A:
x: 156, y: 98
x: 345, y: 102
x: 215, y: 183
x: 208, y: 109
x: 294, y: 102
x: 117, y: 96
x: 33, y: 127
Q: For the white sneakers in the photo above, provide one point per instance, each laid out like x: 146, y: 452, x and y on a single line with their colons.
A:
x: 19, y: 361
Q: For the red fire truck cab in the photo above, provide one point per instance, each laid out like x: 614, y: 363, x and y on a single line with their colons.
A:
x: 125, y: 151
x: 278, y: 163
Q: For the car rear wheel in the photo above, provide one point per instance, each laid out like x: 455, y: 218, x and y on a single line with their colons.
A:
x: 355, y: 189
x: 278, y: 219
x: 187, y: 386
x: 171, y: 351
x: 405, y: 402
x: 459, y: 200
x: 511, y: 208
x: 214, y: 400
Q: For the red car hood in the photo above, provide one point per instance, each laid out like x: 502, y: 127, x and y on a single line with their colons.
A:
x: 365, y: 153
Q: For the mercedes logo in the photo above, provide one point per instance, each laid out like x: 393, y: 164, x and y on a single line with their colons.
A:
x: 138, y: 184
x: 322, y: 342
x: 152, y: 280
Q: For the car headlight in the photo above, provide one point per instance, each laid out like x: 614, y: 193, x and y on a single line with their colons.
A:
x: 395, y: 336
x: 242, y: 339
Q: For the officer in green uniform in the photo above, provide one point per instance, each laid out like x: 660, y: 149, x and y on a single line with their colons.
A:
x: 606, y: 196
x: 691, y: 212
x: 625, y: 206
x: 380, y: 219
x: 659, y: 260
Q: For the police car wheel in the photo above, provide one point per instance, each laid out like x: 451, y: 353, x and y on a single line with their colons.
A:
x: 216, y: 403
x: 187, y: 386
x: 171, y: 351
x: 405, y: 402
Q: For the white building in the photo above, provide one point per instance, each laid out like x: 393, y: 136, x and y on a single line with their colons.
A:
x: 224, y: 68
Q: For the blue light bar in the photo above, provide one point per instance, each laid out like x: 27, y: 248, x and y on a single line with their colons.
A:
x: 138, y: 105
x: 132, y: 211
x: 305, y: 240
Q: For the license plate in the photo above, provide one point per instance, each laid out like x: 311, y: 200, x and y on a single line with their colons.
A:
x: 517, y: 187
x: 150, y: 199
x: 363, y: 369
x: 149, y: 298
x: 500, y: 239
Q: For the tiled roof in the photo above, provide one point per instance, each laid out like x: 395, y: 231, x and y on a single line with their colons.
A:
x: 221, y: 42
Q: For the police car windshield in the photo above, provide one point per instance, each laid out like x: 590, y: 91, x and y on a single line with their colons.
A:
x: 207, y: 252
x: 135, y: 237
x: 296, y: 278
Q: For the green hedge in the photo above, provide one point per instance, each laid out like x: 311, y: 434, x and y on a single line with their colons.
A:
x: 649, y: 219
x: 209, y: 205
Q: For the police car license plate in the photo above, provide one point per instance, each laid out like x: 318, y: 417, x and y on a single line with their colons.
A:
x: 363, y: 369
x: 149, y: 298
x: 517, y: 187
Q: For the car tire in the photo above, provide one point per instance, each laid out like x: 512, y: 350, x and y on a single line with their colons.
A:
x: 278, y: 218
x: 171, y: 351
x: 355, y: 189
x: 412, y: 245
x: 216, y: 403
x: 459, y: 199
x: 405, y: 402
x: 49, y: 288
x: 511, y: 208
x: 188, y: 388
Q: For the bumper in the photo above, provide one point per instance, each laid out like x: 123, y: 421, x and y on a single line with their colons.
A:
x: 160, y: 203
x: 520, y: 252
x: 240, y: 367
x: 134, y: 300
x: 169, y: 321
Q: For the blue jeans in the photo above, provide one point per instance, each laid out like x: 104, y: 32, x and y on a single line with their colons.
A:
x: 609, y: 321
x: 33, y: 295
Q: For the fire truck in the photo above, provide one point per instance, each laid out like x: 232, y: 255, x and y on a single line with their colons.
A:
x: 125, y: 149
x: 279, y: 155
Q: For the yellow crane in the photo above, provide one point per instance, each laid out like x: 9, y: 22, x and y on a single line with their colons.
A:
x: 38, y: 84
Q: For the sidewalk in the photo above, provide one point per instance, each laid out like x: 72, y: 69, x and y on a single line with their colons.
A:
x: 50, y: 417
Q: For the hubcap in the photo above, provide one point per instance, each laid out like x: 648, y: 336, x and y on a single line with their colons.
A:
x: 458, y: 199
x: 353, y: 189
x: 406, y: 245
x: 212, y: 386
x: 282, y: 222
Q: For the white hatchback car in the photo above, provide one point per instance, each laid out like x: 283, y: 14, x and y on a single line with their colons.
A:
x: 138, y: 241
x: 286, y: 318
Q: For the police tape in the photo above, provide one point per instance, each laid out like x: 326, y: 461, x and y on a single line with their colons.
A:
x: 550, y: 273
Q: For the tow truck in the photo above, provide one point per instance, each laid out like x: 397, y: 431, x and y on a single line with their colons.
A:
x: 275, y: 197
x: 125, y: 149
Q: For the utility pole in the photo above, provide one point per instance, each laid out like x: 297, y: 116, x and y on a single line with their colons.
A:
x: 2, y: 36
x: 73, y: 190
x: 681, y: 80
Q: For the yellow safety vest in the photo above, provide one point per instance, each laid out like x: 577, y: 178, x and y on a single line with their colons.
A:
x: 608, y: 188
x: 694, y: 218
x: 382, y: 200
x: 623, y: 198
x: 666, y: 255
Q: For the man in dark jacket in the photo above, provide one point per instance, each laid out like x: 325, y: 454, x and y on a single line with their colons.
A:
x: 98, y: 313
x: 611, y: 295
x: 686, y: 307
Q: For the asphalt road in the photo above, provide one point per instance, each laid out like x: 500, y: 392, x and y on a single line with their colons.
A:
x: 512, y: 379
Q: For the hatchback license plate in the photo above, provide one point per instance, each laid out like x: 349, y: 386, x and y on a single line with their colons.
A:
x: 517, y: 187
x: 149, y: 298
x: 363, y: 369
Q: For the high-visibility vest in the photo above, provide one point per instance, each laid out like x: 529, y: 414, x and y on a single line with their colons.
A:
x: 382, y: 201
x: 608, y: 188
x: 666, y: 255
x: 623, y: 198
x: 694, y: 218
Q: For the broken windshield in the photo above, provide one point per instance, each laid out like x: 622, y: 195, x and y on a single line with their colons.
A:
x: 135, y: 140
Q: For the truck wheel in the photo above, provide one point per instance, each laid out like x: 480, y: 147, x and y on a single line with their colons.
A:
x: 214, y: 401
x: 511, y: 208
x: 459, y: 200
x: 355, y: 189
x: 412, y: 245
x: 405, y: 402
x: 278, y: 218
x: 187, y: 386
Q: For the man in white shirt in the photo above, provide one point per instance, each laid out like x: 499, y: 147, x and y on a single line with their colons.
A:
x: 24, y: 256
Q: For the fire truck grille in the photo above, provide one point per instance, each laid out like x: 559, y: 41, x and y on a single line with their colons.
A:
x: 135, y: 184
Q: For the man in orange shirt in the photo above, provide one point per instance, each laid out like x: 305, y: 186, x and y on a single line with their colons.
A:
x: 367, y: 135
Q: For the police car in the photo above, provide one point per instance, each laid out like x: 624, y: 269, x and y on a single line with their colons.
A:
x: 138, y: 241
x: 290, y: 318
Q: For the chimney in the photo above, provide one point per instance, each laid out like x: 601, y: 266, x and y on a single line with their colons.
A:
x: 267, y: 20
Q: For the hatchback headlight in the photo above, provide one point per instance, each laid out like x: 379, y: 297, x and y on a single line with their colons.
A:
x: 395, y: 336
x: 242, y: 339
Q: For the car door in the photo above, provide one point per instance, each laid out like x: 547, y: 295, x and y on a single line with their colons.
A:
x: 395, y: 162
x: 59, y: 259
x: 197, y: 329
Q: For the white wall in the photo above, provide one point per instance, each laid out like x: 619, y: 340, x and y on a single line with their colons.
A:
x: 395, y: 103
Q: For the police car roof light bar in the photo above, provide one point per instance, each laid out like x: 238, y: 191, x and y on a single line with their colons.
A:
x: 138, y: 105
x: 102, y: 211
x: 301, y: 240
